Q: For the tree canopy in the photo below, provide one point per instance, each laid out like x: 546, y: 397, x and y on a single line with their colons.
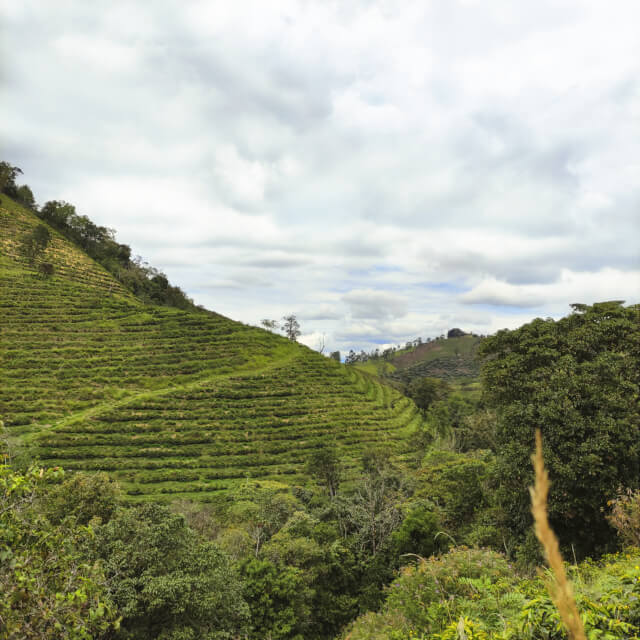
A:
x: 291, y: 327
x: 578, y: 380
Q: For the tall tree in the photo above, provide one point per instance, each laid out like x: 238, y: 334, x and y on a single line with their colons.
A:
x: 291, y: 327
x: 8, y: 175
x: 324, y: 465
x: 578, y: 380
x: 34, y: 243
x: 165, y: 582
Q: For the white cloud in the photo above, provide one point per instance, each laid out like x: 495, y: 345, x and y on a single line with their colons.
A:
x: 371, y: 304
x: 607, y: 284
x: 385, y: 171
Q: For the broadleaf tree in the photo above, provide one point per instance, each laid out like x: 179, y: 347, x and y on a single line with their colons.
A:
x: 578, y: 380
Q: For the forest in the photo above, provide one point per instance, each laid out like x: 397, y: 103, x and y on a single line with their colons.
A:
x: 225, y: 482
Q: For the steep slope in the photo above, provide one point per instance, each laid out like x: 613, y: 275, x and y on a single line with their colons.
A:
x: 171, y: 402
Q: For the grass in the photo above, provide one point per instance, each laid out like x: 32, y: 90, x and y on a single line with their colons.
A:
x: 171, y: 403
x: 375, y: 367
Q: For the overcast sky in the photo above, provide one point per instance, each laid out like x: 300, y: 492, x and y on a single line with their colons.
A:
x: 385, y: 170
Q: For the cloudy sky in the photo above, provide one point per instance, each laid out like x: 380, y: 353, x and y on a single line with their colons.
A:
x: 385, y: 170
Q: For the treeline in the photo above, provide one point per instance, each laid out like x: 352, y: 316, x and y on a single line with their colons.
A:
x: 99, y: 242
x: 76, y: 562
x: 260, y: 563
x: 387, y: 354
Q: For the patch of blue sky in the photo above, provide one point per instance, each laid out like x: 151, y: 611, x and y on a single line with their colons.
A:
x: 384, y: 268
x: 446, y: 287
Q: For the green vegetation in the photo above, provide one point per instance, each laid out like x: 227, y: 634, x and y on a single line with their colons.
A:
x: 208, y: 436
x: 146, y: 282
x: 578, y: 381
x: 451, y: 359
x: 225, y: 482
x: 49, y: 586
x: 477, y: 592
x: 170, y: 402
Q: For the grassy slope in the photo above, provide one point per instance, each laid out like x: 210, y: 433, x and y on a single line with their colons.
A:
x: 451, y: 359
x: 170, y: 402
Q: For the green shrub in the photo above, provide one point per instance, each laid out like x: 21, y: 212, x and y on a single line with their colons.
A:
x: 625, y: 516
x: 49, y: 587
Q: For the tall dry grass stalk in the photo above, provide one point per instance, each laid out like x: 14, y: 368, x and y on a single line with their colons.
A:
x: 560, y: 588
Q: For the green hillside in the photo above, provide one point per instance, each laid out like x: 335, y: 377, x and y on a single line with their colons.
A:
x: 451, y: 359
x: 170, y: 402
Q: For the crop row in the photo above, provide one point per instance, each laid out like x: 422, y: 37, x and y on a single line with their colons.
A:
x: 263, y: 425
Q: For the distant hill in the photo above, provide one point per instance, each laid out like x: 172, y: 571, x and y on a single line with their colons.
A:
x: 451, y: 359
x: 172, y: 403
x: 448, y: 358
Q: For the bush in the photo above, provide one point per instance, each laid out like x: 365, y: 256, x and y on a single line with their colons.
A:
x: 625, y: 516
x: 418, y: 533
x: 84, y: 497
x: 49, y: 589
x: 429, y: 596
x: 34, y: 243
x: 46, y: 269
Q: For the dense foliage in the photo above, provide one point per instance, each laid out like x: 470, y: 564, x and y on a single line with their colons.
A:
x: 99, y: 242
x: 578, y: 380
x: 50, y: 586
x: 475, y: 594
x: 298, y: 494
x: 164, y: 581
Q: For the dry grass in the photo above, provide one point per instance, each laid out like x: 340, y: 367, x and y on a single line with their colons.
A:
x: 559, y: 588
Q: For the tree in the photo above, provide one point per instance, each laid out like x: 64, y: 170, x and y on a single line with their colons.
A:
x: 418, y: 533
x: 57, y: 213
x: 324, y: 465
x: 271, y: 325
x: 291, y: 327
x: 425, y: 391
x: 260, y: 512
x: 279, y: 599
x: 335, y: 355
x: 8, y: 175
x: 24, y: 196
x: 49, y: 588
x: 352, y: 357
x: 35, y: 242
x: 578, y: 380
x: 165, y: 581
x: 85, y: 497
x: 374, y: 508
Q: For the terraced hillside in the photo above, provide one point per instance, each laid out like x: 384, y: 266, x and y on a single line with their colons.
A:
x: 170, y: 402
x: 452, y: 359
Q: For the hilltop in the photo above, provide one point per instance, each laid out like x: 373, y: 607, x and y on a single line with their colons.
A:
x: 452, y: 359
x: 171, y: 402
